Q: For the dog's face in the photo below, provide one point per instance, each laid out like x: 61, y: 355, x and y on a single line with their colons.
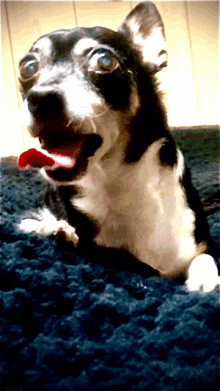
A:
x: 81, y: 87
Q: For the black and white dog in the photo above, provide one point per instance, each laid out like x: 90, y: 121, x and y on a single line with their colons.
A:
x: 115, y: 175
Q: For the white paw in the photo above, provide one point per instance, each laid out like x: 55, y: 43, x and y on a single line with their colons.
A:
x: 203, y: 274
x: 45, y: 223
x: 31, y: 225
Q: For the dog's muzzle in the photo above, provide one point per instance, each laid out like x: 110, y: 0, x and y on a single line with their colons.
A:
x: 65, y: 144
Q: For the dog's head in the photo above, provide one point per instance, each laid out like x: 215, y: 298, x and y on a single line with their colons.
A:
x: 82, y: 88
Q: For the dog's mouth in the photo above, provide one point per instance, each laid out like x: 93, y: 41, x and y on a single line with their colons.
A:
x: 62, y: 160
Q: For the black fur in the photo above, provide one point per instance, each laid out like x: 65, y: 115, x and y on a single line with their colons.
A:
x: 201, y: 232
x: 58, y: 200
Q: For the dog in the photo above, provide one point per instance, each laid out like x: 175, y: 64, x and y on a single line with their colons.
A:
x: 114, y: 173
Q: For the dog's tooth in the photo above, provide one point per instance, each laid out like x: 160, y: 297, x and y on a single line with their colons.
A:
x: 63, y: 161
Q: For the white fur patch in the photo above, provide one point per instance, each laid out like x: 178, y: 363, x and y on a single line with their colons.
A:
x: 45, y: 223
x: 83, y: 44
x: 45, y: 46
x: 180, y: 165
x: 203, y: 274
x: 80, y: 100
x: 94, y: 202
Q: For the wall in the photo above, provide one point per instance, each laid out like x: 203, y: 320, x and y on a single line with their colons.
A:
x: 190, y: 81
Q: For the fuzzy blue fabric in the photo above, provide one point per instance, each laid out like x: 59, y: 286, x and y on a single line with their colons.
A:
x: 96, y: 319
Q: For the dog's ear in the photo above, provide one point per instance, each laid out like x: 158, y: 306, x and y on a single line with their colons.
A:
x: 144, y: 29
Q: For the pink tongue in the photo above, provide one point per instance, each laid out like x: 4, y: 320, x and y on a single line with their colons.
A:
x: 40, y: 158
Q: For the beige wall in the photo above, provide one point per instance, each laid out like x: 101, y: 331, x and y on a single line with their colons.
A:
x: 190, y: 81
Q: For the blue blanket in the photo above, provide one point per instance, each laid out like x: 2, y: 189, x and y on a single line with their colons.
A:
x: 96, y: 319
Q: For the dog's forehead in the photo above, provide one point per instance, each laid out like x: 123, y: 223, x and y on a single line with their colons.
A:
x: 77, y: 39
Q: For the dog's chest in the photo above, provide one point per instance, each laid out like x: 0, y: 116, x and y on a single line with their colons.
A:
x: 142, y: 209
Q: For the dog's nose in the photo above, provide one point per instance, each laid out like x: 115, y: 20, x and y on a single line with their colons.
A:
x: 44, y: 104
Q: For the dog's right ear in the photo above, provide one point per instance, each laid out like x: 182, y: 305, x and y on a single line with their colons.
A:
x: 144, y: 29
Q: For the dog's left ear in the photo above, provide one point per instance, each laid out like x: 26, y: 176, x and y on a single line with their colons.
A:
x: 144, y: 28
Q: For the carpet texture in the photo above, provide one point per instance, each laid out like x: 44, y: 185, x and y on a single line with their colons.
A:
x: 96, y: 319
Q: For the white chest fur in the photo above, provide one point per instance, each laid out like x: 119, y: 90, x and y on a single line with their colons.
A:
x: 142, y: 208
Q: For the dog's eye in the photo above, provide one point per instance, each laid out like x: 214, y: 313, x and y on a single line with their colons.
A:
x: 29, y: 67
x: 103, y: 62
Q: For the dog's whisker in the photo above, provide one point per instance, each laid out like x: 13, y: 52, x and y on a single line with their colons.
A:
x: 93, y: 125
x: 69, y: 123
x: 100, y: 114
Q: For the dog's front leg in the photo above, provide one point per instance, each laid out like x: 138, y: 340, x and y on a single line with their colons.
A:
x: 45, y: 223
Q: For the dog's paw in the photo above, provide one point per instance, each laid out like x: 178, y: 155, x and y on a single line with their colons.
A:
x: 65, y: 230
x: 31, y: 225
x: 203, y: 274
x: 45, y: 223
